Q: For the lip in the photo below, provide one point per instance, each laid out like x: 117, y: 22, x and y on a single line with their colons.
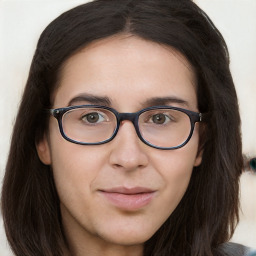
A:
x: 129, y: 199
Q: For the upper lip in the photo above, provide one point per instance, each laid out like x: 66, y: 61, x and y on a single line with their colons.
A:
x: 128, y: 191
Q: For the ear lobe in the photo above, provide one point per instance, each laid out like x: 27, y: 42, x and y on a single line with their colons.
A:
x: 199, y: 157
x: 43, y: 151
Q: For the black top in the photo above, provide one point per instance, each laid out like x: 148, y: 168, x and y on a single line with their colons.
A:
x: 233, y: 249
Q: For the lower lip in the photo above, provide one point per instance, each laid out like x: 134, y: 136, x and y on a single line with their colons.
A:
x: 130, y: 202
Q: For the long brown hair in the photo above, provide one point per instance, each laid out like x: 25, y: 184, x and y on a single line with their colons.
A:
x: 207, y: 214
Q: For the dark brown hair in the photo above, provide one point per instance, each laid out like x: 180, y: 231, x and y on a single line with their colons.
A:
x: 207, y: 214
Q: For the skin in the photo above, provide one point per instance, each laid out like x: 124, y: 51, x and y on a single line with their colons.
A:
x: 129, y: 71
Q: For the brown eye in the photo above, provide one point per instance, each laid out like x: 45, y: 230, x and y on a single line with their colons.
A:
x: 159, y: 118
x: 93, y: 117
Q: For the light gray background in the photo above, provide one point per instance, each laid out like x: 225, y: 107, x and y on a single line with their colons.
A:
x: 22, y: 21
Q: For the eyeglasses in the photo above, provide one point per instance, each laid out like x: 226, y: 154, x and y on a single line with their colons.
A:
x: 161, y: 127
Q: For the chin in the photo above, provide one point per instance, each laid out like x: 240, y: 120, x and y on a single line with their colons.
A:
x: 128, y: 237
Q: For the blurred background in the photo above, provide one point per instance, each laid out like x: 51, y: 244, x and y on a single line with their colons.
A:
x: 21, y: 23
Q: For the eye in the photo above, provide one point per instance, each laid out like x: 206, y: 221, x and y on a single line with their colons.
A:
x: 160, y: 118
x: 93, y: 117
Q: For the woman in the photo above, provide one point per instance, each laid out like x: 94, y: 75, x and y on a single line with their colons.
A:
x: 122, y: 144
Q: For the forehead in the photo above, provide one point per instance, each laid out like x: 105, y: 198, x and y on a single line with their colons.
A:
x: 126, y: 69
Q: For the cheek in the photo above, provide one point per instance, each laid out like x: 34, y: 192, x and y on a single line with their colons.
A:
x: 175, y: 168
x: 177, y: 164
x: 176, y: 174
x: 72, y: 164
x: 75, y: 168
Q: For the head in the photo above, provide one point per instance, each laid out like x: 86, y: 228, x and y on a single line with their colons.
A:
x: 124, y: 54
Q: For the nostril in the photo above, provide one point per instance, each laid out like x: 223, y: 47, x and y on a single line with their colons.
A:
x: 117, y: 165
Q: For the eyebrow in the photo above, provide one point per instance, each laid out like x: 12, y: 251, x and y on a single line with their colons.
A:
x: 163, y: 101
x: 105, y: 101
x: 90, y: 98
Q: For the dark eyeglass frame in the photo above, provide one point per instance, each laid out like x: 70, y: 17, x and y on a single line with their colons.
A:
x: 133, y: 117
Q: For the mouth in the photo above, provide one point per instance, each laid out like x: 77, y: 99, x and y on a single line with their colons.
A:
x: 129, y: 199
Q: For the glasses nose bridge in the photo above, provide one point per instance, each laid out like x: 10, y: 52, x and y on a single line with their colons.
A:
x: 128, y: 116
x: 132, y: 117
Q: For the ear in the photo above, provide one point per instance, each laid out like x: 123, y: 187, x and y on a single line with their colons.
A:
x: 202, y: 138
x: 43, y: 150
x: 198, y: 159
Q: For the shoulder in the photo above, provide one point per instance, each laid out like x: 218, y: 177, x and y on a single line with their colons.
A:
x: 234, y: 249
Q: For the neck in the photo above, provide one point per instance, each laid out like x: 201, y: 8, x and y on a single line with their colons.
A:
x: 101, y: 249
x: 103, y: 252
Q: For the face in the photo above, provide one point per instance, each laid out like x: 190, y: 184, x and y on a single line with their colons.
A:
x: 98, y: 185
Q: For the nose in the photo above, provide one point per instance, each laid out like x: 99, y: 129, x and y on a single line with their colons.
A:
x: 128, y: 152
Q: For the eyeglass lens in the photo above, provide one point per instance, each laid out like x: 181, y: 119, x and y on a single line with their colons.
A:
x: 89, y: 125
x: 164, y: 127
